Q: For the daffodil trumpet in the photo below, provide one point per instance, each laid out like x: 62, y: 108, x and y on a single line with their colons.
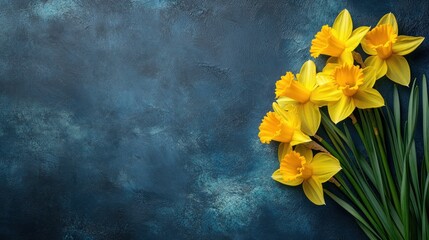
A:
x: 282, y: 126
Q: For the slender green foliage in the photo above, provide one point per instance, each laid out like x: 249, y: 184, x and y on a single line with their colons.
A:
x: 387, y: 186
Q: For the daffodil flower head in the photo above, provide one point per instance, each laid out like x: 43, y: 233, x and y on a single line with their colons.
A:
x: 387, y: 50
x: 355, y: 86
x: 300, y: 93
x: 300, y: 167
x: 338, y: 41
x: 282, y: 126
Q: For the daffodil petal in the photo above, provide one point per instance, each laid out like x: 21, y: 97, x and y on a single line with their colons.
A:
x: 307, y: 75
x: 285, y: 101
x: 368, y: 98
x: 341, y: 110
x: 323, y: 78
x: 346, y: 57
x: 330, y: 67
x: 279, y: 176
x: 310, y: 115
x: 357, y: 35
x: 284, y: 148
x: 343, y: 24
x: 366, y: 48
x: 314, y: 191
x: 299, y: 137
x: 406, y: 44
x: 389, y: 19
x: 280, y: 111
x: 325, y: 166
x: 291, y: 114
x: 378, y: 64
x: 369, y: 74
x: 304, y: 151
x: 398, y: 70
x: 325, y: 94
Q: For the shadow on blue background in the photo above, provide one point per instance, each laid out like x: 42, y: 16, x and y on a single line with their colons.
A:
x: 138, y: 119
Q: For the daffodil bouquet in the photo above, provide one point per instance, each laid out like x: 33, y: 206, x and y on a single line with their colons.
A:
x: 369, y: 153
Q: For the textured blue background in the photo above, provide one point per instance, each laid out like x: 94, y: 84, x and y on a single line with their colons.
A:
x: 137, y: 119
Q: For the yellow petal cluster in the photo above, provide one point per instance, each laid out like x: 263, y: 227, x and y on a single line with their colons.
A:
x: 339, y: 40
x: 299, y: 166
x: 341, y: 86
x: 282, y: 126
x: 301, y: 93
x: 355, y: 87
x: 387, y: 50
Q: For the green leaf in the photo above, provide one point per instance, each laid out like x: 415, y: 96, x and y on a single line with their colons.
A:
x: 397, y: 221
x: 397, y: 111
x: 410, y: 153
x: 395, y: 147
x: 367, y: 231
x: 425, y: 202
x: 353, y: 212
x: 425, y: 127
x: 425, y: 198
x: 360, y: 205
x: 404, y: 193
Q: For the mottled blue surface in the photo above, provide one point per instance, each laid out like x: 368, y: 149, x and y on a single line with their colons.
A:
x: 138, y: 119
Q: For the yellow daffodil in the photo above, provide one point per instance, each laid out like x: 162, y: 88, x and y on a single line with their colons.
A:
x: 356, y: 88
x: 301, y: 93
x: 339, y: 40
x: 282, y: 126
x: 299, y: 166
x: 387, y: 50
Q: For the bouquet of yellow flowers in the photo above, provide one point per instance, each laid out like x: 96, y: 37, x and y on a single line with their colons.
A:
x: 374, y: 164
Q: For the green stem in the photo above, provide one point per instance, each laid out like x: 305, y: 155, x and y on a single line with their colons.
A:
x: 390, y: 182
x: 353, y: 182
x: 349, y: 193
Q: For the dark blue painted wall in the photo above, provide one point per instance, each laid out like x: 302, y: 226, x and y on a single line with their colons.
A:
x: 138, y: 119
